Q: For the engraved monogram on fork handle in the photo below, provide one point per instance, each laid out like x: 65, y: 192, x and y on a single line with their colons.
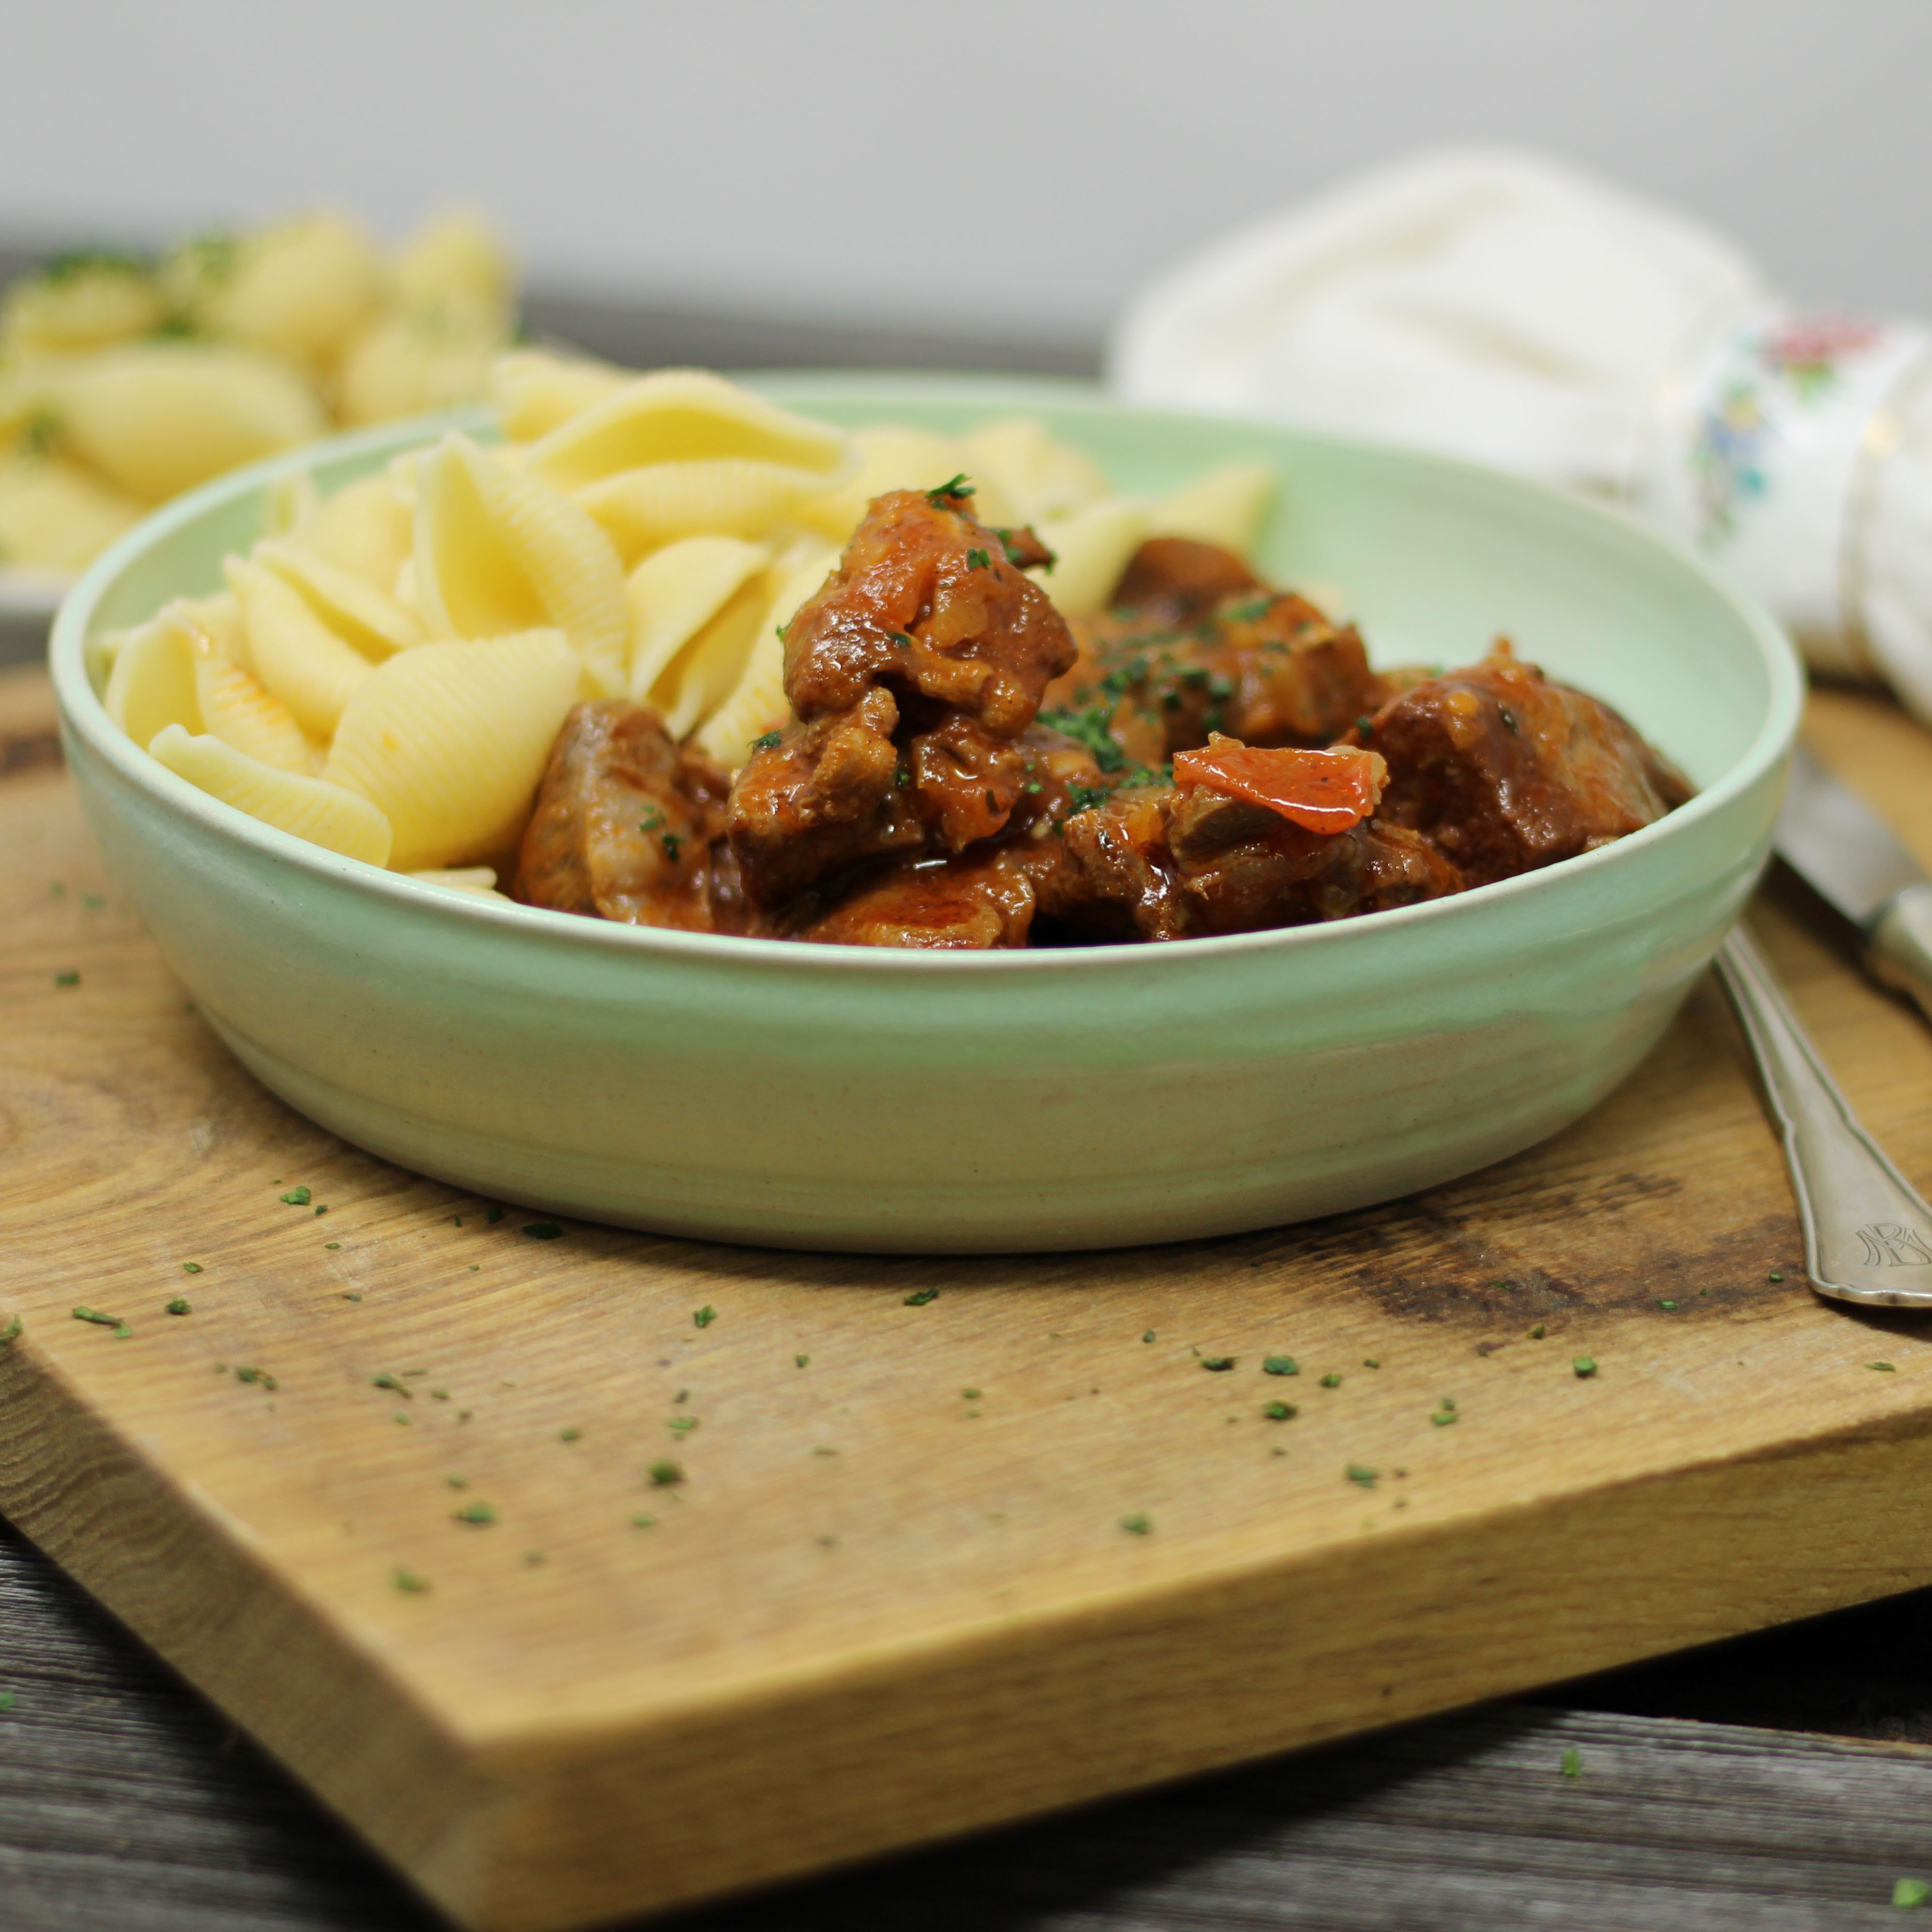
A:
x: 1868, y: 1231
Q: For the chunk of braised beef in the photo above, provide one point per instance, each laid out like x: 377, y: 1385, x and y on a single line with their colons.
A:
x: 1175, y: 580
x: 978, y: 902
x: 1506, y: 771
x: 913, y: 673
x: 624, y: 822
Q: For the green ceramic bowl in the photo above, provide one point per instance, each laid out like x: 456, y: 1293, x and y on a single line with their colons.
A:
x: 808, y: 1096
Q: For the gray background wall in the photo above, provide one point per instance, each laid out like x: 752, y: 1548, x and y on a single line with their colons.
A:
x: 989, y: 167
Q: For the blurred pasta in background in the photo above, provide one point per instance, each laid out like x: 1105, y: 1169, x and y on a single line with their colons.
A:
x: 124, y: 382
x: 386, y: 671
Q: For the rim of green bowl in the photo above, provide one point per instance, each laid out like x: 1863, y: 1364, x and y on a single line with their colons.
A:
x: 86, y: 715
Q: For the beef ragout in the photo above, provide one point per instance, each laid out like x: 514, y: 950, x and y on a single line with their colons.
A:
x: 963, y: 768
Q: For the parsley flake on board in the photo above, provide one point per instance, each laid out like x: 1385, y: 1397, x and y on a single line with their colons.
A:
x: 1137, y: 1525
x: 768, y: 742
x: 1280, y: 1365
x: 8, y: 1700
x: 1585, y: 1366
x: 67, y: 979
x: 570, y: 1436
x: 479, y: 1515
x: 410, y: 1583
x: 543, y: 1231
x: 1217, y: 1364
x: 1886, y: 1367
x: 180, y: 1305
x: 919, y: 1296
x: 1148, y: 1336
x: 663, y: 1474
x: 95, y: 1315
x: 11, y: 1333
x: 1910, y: 1893
x: 799, y: 1361
x: 1331, y: 1380
x: 1281, y: 1411
x: 1362, y: 1478
x: 297, y: 1197
x: 397, y: 1386
x: 703, y: 1317
x: 493, y: 1215
x: 260, y: 1377
x: 191, y: 1267
x: 643, y: 1522
x: 1572, y: 1765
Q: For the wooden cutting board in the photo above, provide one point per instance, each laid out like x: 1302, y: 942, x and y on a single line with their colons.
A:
x: 949, y: 1542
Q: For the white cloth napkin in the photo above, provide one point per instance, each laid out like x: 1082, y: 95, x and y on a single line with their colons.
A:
x: 1502, y: 307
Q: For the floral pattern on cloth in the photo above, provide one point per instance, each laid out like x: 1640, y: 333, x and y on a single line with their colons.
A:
x: 1801, y: 360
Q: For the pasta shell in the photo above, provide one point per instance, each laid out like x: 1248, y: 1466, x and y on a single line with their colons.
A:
x: 497, y: 551
x: 1042, y: 478
x: 449, y: 740
x: 1091, y: 549
x: 236, y: 708
x: 456, y: 266
x: 641, y: 509
x: 1227, y: 506
x: 157, y: 417
x: 299, y: 289
x: 890, y: 458
x: 686, y: 415
x: 710, y: 667
x: 84, y: 304
x: 153, y: 683
x: 534, y: 392
x: 359, y: 612
x: 311, y: 807
x: 756, y: 704
x: 293, y: 651
x: 366, y: 528
x: 290, y: 501
x: 479, y: 881
x: 54, y: 516
x: 407, y: 365
x: 674, y: 594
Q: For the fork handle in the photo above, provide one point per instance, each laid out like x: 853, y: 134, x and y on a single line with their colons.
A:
x: 1868, y: 1231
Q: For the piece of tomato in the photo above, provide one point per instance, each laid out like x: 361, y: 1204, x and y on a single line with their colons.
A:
x: 1322, y: 791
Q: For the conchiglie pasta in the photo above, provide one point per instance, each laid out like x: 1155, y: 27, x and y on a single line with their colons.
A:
x: 359, y: 612
x: 408, y: 365
x: 366, y: 529
x: 756, y: 704
x: 299, y: 289
x: 80, y: 304
x: 455, y: 266
x: 1226, y: 506
x: 535, y: 391
x: 152, y: 685
x: 293, y: 652
x: 685, y: 416
x: 709, y: 668
x: 237, y: 710
x: 641, y: 509
x: 675, y: 593
x: 56, y: 515
x: 449, y: 740
x: 479, y: 882
x: 155, y: 418
x: 497, y: 551
x: 1040, y: 477
x: 1091, y: 549
x: 309, y: 808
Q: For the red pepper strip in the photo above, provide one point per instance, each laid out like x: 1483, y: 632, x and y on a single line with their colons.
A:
x: 1322, y: 791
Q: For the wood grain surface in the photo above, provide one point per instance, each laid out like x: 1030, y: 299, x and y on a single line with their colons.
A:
x: 807, y: 1657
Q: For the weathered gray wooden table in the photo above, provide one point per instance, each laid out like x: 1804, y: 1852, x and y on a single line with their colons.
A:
x: 1782, y: 1784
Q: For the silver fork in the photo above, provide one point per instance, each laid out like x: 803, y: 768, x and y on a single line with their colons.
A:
x: 1868, y: 1231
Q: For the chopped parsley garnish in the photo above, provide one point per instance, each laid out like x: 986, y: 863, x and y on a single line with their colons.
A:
x: 298, y: 1197
x: 493, y: 1215
x: 1586, y: 1367
x: 543, y: 1231
x: 1148, y: 1336
x: 191, y: 1267
x: 180, y: 1305
x: 956, y: 487
x: 570, y: 1435
x: 920, y: 1297
x: 651, y: 821
x: 1085, y: 798
x: 11, y: 1333
x: 970, y: 1394
x: 671, y: 842
x: 68, y: 979
x: 703, y: 1317
x: 1537, y: 1333
x: 1033, y: 787
x: 480, y: 1515
x: 73, y: 261
x: 259, y: 1376
x: 396, y: 1386
x: 1331, y: 1380
x: 95, y: 1316
x: 1137, y: 1525
x: 8, y: 1700
x: 977, y: 560
x: 1909, y: 1893
x: 1092, y: 728
x: 799, y: 1361
x: 1444, y: 1417
x: 409, y: 1582
x: 1774, y: 1277
x: 1217, y: 1364
x: 665, y: 1474
x: 1887, y: 1367
x: 1281, y: 1411
x: 1362, y: 1478
x: 901, y: 641
x: 1366, y: 726
x: 683, y: 1425
x: 1572, y: 1763
x: 1280, y: 1365
x: 768, y: 742
x: 643, y: 1522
